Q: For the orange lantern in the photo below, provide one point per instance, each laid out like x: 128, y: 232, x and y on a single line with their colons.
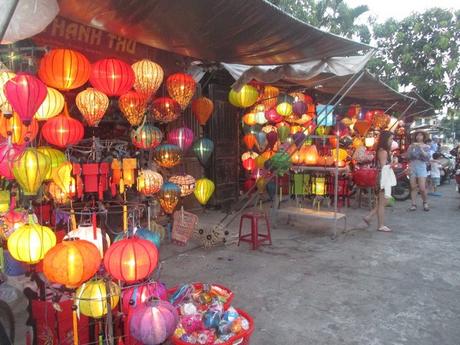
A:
x: 250, y: 140
x: 167, y: 155
x: 181, y: 87
x: 149, y: 182
x: 57, y: 194
x: 202, y: 108
x: 113, y: 77
x: 269, y: 96
x: 92, y: 104
x: 249, y: 119
x: 64, y: 69
x: 165, y: 109
x: 133, y: 106
x: 51, y: 106
x: 361, y: 127
x: 12, y: 126
x: 129, y: 166
x: 380, y: 120
x: 148, y: 77
x: 63, y: 130
x: 168, y: 196
x: 297, y: 158
x: 310, y: 155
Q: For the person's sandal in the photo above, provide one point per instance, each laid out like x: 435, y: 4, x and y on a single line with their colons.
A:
x: 413, y: 208
x: 426, y: 207
x: 384, y: 229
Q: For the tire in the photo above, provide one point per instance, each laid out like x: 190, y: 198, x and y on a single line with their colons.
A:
x: 401, y: 191
x: 7, y: 325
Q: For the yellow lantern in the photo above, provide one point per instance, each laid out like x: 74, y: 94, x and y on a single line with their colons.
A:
x: 296, y: 158
x: 129, y: 166
x: 4, y: 201
x: 310, y: 155
x: 5, y: 106
x: 92, y: 297
x: 30, y: 242
x: 260, y: 161
x: 57, y: 194
x: 63, y: 178
x: 148, y: 77
x: 342, y: 156
x: 31, y: 169
x: 92, y: 105
x: 357, y: 142
x: 56, y: 159
x: 244, y: 98
x: 284, y: 108
x: 319, y: 185
x: 51, y: 106
x: 249, y: 119
x: 149, y: 182
x: 204, y: 189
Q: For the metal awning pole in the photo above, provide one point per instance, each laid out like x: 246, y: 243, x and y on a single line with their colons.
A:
x: 5, y: 18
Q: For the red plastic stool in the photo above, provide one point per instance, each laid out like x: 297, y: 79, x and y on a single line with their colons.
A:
x: 254, y: 237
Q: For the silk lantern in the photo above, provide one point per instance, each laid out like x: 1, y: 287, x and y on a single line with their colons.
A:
x: 149, y: 235
x: 131, y: 259
x: 56, y: 158
x: 369, y: 141
x: 269, y: 96
x: 91, y: 234
x: 318, y: 185
x: 244, y: 98
x: 260, y: 118
x: 181, y: 87
x: 165, y: 109
x: 133, y: 106
x: 113, y: 77
x: 202, y: 109
x: 272, y: 116
x: 63, y: 178
x: 72, y: 262
x: 310, y: 155
x: 92, y: 105
x: 380, y: 120
x: 186, y: 183
x: 57, y: 194
x: 283, y: 131
x: 284, y: 105
x: 63, y: 130
x: 5, y: 106
x: 30, y: 170
x: 204, y: 189
x: 182, y: 137
x: 148, y: 77
x: 138, y: 294
x: 362, y: 127
x: 8, y: 154
x: 339, y: 156
x: 248, y: 159
x: 51, y: 106
x: 203, y: 148
x: 149, y: 182
x: 168, y: 196
x: 153, y: 322
x: 92, y: 297
x: 167, y: 155
x: 64, y: 69
x: 12, y: 127
x: 249, y: 119
x: 297, y: 158
x: 249, y: 140
x: 25, y: 93
x: 146, y: 136
x: 261, y: 141
x: 30, y: 242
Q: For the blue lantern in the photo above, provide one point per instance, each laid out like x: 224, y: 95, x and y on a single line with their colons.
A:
x: 203, y: 149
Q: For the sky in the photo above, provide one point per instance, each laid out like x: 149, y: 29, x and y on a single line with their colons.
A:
x: 384, y: 9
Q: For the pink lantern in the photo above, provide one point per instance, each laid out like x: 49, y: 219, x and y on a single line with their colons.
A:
x: 8, y: 154
x: 272, y: 116
x: 138, y: 294
x: 182, y: 137
x: 25, y: 93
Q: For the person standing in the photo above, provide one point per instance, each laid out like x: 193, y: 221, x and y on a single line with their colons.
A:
x: 418, y: 154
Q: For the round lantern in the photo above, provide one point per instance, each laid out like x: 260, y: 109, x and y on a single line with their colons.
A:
x: 131, y: 259
x: 261, y: 141
x: 149, y: 182
x: 51, y: 106
x: 57, y: 194
x: 272, y: 116
x: 269, y: 96
x: 248, y: 159
x: 136, y: 295
x: 284, y: 106
x: 63, y: 130
x: 148, y: 77
x: 153, y: 322
x: 380, y: 120
x: 12, y: 126
x: 202, y: 108
x: 244, y: 98
x: 133, y: 106
x: 148, y: 235
x: 56, y: 158
x: 249, y: 140
x: 112, y: 76
x: 92, y: 105
x: 165, y: 109
x: 30, y: 170
x: 30, y: 242
x: 260, y: 118
x: 5, y: 75
x: 146, y: 136
x: 186, y: 184
x: 203, y: 148
x: 310, y: 155
x: 272, y: 138
x: 181, y: 87
x: 167, y: 155
x: 249, y: 119
x: 64, y: 69
x: 203, y: 190
x: 92, y: 235
x: 182, y: 137
x: 71, y: 262
x: 168, y: 196
x: 8, y: 154
x: 92, y: 297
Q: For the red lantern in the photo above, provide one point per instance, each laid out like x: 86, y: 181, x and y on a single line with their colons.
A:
x: 25, y: 93
x: 181, y: 87
x: 182, y: 137
x: 131, y: 259
x: 62, y: 130
x: 248, y: 159
x: 202, y: 108
x: 146, y: 136
x: 133, y: 106
x: 249, y: 140
x: 165, y: 109
x: 112, y: 76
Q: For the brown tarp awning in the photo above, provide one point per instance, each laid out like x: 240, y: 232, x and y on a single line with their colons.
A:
x: 252, y: 32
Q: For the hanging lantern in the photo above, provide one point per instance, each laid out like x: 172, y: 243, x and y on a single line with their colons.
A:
x: 30, y: 169
x: 146, y: 136
x: 131, y: 259
x: 167, y: 155
x: 284, y: 105
x: 340, y: 157
x: 310, y: 155
x: 186, y: 184
x: 129, y: 170
x: 362, y: 127
x: 30, y: 242
x: 181, y: 87
x: 63, y: 130
x: 71, y: 262
x: 91, y: 297
x: 153, y: 322
x: 148, y: 77
x: 182, y: 137
x: 269, y: 96
x: 268, y: 128
x: 51, y: 106
x: 64, y: 69
x: 260, y: 161
x: 272, y: 138
x: 203, y: 190
x: 133, y: 106
x: 4, y: 201
x: 92, y: 105
x: 354, y: 110
x: 244, y: 98
x: 8, y: 154
x: 112, y: 76
x: 149, y: 182
x: 357, y: 142
x: 283, y: 131
x: 168, y: 196
x: 249, y: 119
x: 369, y: 141
x: 248, y: 159
x: 5, y: 106
x: 63, y: 178
x: 299, y: 108
x: 57, y: 194
x: 12, y: 126
x: 92, y: 235
x: 380, y: 120
x: 56, y: 158
x: 165, y: 109
x: 261, y: 141
x: 202, y: 108
x: 260, y: 118
x: 296, y: 158
x: 318, y: 185
x: 272, y: 116
x: 138, y: 294
x: 249, y: 140
x: 203, y: 148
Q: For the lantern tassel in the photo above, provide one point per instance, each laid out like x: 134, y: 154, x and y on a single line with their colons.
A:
x: 73, y: 220
x: 149, y: 214
x: 75, y: 327
x: 94, y: 223
x: 125, y: 218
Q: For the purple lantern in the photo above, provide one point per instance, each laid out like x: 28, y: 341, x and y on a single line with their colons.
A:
x: 299, y: 108
x: 8, y: 154
x: 272, y: 138
x: 182, y: 137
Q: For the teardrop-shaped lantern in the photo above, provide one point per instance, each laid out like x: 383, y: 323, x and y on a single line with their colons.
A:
x: 149, y: 182
x: 182, y: 137
x: 148, y: 77
x: 186, y: 184
x: 181, y: 87
x: 310, y: 155
x: 204, y: 189
x: 203, y: 149
x: 244, y: 98
x: 133, y: 106
x: 62, y: 130
x: 202, y: 109
x: 51, y: 106
x: 62, y: 176
x: 25, y: 93
x: 248, y: 160
x: 56, y: 158
x: 58, y: 196
x: 165, y: 109
x: 92, y: 105
x: 9, y: 153
x: 113, y: 77
x: 12, y: 126
x: 249, y: 140
x: 146, y: 136
x: 31, y: 169
x: 169, y: 196
x: 167, y: 155
x: 5, y: 106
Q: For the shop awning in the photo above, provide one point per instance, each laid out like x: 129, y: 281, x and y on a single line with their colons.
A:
x: 238, y: 31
